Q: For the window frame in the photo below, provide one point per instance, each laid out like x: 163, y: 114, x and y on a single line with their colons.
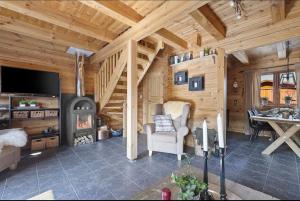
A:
x: 276, y: 89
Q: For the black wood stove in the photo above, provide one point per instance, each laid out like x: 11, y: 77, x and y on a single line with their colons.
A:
x: 81, y: 111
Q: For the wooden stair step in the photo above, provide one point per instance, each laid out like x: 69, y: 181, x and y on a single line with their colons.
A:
x: 114, y: 105
x: 123, y: 78
x: 116, y: 118
x: 115, y: 113
x: 145, y: 50
x: 121, y: 87
x: 117, y: 98
x: 120, y: 91
x: 123, y: 83
x: 108, y: 109
x: 119, y: 94
x: 141, y: 67
x: 142, y: 61
x: 116, y: 101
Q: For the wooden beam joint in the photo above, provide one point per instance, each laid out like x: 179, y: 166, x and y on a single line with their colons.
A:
x: 207, y: 19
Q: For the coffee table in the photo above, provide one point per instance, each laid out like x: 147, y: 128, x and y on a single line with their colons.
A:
x: 235, y: 191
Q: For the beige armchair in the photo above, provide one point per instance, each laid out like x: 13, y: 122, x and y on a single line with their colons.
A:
x: 172, y: 143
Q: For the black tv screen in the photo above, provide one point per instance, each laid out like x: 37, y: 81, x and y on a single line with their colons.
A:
x: 22, y: 81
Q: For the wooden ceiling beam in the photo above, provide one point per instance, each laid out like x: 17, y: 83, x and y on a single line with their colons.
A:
x: 210, y: 22
x: 14, y: 25
x: 281, y: 31
x: 241, y: 56
x: 127, y: 15
x: 171, y: 39
x: 156, y: 20
x: 116, y: 10
x: 281, y: 50
x: 59, y: 19
x: 278, y: 10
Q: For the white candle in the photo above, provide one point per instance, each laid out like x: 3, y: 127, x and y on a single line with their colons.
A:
x: 205, y: 136
x: 220, y: 131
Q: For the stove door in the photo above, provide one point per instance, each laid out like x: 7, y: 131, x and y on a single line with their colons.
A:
x: 84, y: 121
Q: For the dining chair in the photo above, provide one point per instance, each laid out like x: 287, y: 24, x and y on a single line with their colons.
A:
x: 259, y: 126
x: 256, y: 128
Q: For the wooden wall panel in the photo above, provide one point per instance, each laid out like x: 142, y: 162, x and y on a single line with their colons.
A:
x: 23, y: 58
x: 204, y: 104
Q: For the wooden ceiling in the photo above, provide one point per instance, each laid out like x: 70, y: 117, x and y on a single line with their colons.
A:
x: 103, y: 26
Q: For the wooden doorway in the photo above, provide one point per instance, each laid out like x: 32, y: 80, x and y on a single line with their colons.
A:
x: 153, y: 94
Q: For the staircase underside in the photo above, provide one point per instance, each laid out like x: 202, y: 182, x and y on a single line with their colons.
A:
x: 111, y: 82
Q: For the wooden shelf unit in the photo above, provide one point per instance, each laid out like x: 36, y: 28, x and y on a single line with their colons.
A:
x: 33, y: 126
x: 195, y: 60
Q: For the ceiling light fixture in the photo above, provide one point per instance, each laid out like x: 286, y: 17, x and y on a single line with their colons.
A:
x: 238, y: 7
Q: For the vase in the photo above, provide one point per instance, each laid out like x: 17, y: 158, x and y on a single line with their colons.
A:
x: 264, y: 102
x: 288, y: 102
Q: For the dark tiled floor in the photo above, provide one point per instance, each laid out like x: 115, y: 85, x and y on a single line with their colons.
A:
x: 101, y: 171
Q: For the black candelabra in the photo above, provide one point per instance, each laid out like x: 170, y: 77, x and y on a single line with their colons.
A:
x: 206, y: 195
x: 223, y: 195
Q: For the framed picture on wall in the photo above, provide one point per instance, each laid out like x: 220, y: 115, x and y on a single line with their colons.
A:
x: 197, y: 83
x: 181, y: 78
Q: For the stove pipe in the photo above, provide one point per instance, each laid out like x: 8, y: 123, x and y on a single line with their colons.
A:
x: 80, y: 89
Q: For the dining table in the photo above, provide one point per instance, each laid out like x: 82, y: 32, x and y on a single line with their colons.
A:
x: 288, y: 136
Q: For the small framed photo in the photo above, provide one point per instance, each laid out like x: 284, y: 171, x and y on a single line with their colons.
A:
x: 197, y: 83
x: 181, y: 78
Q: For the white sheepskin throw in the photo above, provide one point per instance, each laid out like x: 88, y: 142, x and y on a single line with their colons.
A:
x: 12, y: 137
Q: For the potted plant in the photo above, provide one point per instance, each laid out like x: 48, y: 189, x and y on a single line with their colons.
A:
x: 190, y: 187
x: 22, y: 103
x: 264, y: 101
x: 207, y: 51
x: 288, y: 100
x: 32, y: 103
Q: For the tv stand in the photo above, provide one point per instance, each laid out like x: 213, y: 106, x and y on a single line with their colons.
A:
x: 34, y: 120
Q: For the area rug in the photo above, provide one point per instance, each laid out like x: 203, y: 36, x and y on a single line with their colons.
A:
x: 235, y: 191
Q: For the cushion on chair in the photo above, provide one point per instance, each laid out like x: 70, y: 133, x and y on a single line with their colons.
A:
x: 166, y: 137
x: 163, y: 123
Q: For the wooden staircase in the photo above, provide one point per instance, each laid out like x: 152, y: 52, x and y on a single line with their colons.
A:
x: 111, y: 80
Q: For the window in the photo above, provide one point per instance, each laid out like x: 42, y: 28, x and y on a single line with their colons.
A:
x: 275, y: 87
x: 267, y: 88
x: 288, y: 87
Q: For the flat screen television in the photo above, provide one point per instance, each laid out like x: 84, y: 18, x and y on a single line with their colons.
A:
x: 22, y: 81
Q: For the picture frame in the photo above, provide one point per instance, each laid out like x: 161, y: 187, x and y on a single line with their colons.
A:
x: 181, y: 78
x: 197, y: 83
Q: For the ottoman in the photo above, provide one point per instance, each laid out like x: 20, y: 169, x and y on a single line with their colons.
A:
x: 9, y: 157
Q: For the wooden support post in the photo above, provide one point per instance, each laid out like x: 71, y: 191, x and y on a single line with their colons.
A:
x: 222, y: 86
x: 124, y: 119
x: 132, y: 100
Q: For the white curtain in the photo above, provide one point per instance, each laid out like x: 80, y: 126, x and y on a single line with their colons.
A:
x: 252, y: 96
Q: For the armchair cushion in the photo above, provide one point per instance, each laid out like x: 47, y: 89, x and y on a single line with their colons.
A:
x: 163, y: 123
x: 167, y: 137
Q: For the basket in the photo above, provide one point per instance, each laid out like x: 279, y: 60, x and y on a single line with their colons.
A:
x: 52, y: 142
x: 51, y: 113
x: 37, y: 114
x: 20, y: 114
x: 38, y: 144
